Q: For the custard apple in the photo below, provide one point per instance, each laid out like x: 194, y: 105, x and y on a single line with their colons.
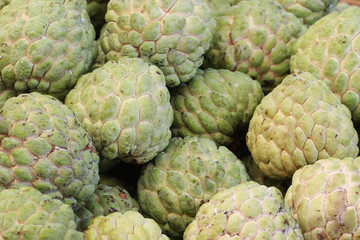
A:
x: 97, y: 10
x: 43, y: 145
x: 246, y: 211
x: 125, y: 107
x: 105, y: 200
x: 324, y: 198
x: 184, y: 176
x: 45, y: 45
x: 257, y: 38
x: 309, y: 11
x: 130, y: 225
x: 27, y: 214
x: 173, y: 34
x: 215, y: 104
x: 330, y: 50
x: 298, y: 123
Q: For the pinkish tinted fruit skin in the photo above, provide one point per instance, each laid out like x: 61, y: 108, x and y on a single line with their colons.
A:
x: 43, y: 145
x: 325, y: 199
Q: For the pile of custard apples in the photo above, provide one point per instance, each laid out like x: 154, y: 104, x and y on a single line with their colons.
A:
x: 179, y: 119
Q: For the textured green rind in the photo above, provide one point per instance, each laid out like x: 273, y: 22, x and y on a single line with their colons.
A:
x: 127, y: 226
x: 329, y: 49
x: 105, y: 200
x: 215, y: 104
x: 309, y: 11
x: 28, y: 215
x: 298, y: 123
x: 257, y: 38
x: 173, y: 35
x: 43, y: 145
x: 183, y: 177
x: 45, y: 45
x: 97, y: 10
x: 246, y: 211
x: 324, y: 197
x: 125, y: 108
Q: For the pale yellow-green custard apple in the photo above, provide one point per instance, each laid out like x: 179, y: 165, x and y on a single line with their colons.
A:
x: 247, y: 211
x: 26, y: 214
x: 330, y: 50
x: 130, y: 225
x: 325, y: 199
x: 298, y: 123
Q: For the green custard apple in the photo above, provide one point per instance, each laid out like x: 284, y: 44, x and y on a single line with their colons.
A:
x: 330, y: 50
x: 125, y: 107
x: 43, y: 145
x: 130, y: 225
x: 215, y: 104
x: 183, y: 177
x: 27, y: 214
x: 173, y: 34
x: 257, y: 38
x: 298, y: 123
x: 325, y: 199
x: 45, y: 46
x: 246, y: 211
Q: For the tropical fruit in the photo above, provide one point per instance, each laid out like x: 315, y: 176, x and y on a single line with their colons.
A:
x: 173, y: 35
x: 43, y: 145
x: 246, y: 211
x: 183, y: 177
x: 125, y: 108
x: 215, y: 104
x: 298, y: 123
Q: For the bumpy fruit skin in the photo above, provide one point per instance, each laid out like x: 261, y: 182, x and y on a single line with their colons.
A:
x: 330, y: 50
x: 173, y: 35
x: 215, y: 104
x: 308, y: 10
x: 27, y: 214
x: 127, y: 226
x: 325, y: 199
x: 105, y: 200
x: 246, y: 211
x: 296, y: 124
x: 125, y: 107
x: 43, y: 145
x: 45, y: 45
x: 257, y: 38
x: 184, y: 176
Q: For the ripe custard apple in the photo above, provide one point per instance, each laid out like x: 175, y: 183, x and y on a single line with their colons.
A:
x: 215, y: 104
x: 43, y: 145
x: 298, y: 123
x: 173, y: 34
x: 124, y: 226
x: 125, y: 107
x: 45, y: 45
x: 246, y: 211
x: 325, y: 199
x: 105, y: 200
x: 257, y: 38
x: 184, y: 176
x: 309, y: 11
x: 27, y: 214
x: 330, y: 50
